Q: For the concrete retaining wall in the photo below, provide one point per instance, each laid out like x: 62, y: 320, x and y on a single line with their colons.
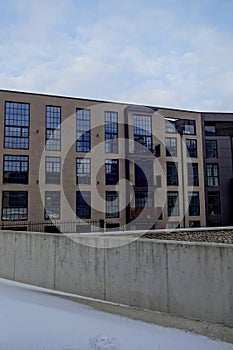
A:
x: 193, y: 280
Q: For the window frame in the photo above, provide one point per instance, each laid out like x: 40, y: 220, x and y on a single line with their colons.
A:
x: 111, y: 130
x: 53, y: 177
x: 83, y: 177
x: 112, y: 211
x: 53, y: 128
x: 83, y: 130
x: 16, y: 208
x: 21, y: 159
x: 175, y: 204
x: 14, y: 125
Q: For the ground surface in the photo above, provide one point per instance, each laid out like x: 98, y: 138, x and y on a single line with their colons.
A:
x: 224, y: 236
x: 32, y: 320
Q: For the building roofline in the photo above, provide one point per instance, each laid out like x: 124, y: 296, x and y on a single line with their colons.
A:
x: 156, y: 108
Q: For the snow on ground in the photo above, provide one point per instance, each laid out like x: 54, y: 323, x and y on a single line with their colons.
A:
x: 31, y: 320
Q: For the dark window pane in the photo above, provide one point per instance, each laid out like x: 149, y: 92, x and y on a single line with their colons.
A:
x: 17, y: 119
x: 83, y: 204
x: 171, y: 147
x: 212, y: 174
x: 14, y: 205
x: 52, y: 170
x: 191, y: 148
x: 173, y: 204
x: 214, y: 207
x: 15, y: 169
x: 111, y: 171
x: 194, y: 205
x: 172, y: 174
x: 193, y: 178
x: 53, y: 132
x: 142, y: 133
x: 112, y: 204
x: 211, y: 150
x: 111, y: 132
x: 83, y: 117
x: 52, y: 205
x: 83, y: 171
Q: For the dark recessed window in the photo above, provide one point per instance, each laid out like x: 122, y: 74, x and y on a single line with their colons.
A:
x: 83, y: 130
x: 144, y: 173
x: 170, y: 126
x: 53, y: 128
x: 171, y: 147
x: 212, y: 174
x: 112, y: 204
x: 52, y: 205
x: 17, y: 120
x: 83, y: 204
x: 189, y: 127
x: 191, y: 145
x: 172, y: 174
x: 194, y: 204
x: 83, y: 171
x: 214, y: 207
x: 14, y: 205
x: 144, y: 199
x: 210, y: 128
x: 52, y: 170
x: 111, y: 132
x: 142, y: 133
x: 173, y: 204
x: 211, y: 149
x: 111, y: 171
x: 193, y: 178
x: 15, y: 169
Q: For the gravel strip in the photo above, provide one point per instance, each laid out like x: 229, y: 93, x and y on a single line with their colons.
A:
x: 225, y: 237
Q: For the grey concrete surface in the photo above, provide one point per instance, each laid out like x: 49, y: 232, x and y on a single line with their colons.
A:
x: 187, y: 279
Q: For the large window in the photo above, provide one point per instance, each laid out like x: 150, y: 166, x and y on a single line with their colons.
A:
x: 212, y: 174
x: 191, y: 145
x: 17, y: 120
x: 142, y: 132
x: 83, y: 171
x: 83, y: 130
x: 15, y: 169
x: 52, y: 205
x: 194, y: 204
x: 14, y: 205
x: 173, y: 203
x: 144, y: 199
x: 189, y: 127
x: 52, y: 170
x: 211, y: 149
x: 111, y: 171
x: 171, y: 147
x: 172, y: 174
x: 83, y: 204
x: 53, y: 128
x: 112, y: 204
x: 210, y: 128
x: 214, y: 207
x: 193, y: 178
x: 170, y: 125
x: 144, y: 173
x: 111, y: 132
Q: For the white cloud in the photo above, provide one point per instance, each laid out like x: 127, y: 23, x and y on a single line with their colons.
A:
x: 151, y: 58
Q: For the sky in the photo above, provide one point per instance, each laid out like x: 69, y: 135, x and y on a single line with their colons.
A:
x: 170, y: 53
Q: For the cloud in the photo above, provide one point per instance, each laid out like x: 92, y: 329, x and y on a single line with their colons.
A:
x: 141, y: 54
